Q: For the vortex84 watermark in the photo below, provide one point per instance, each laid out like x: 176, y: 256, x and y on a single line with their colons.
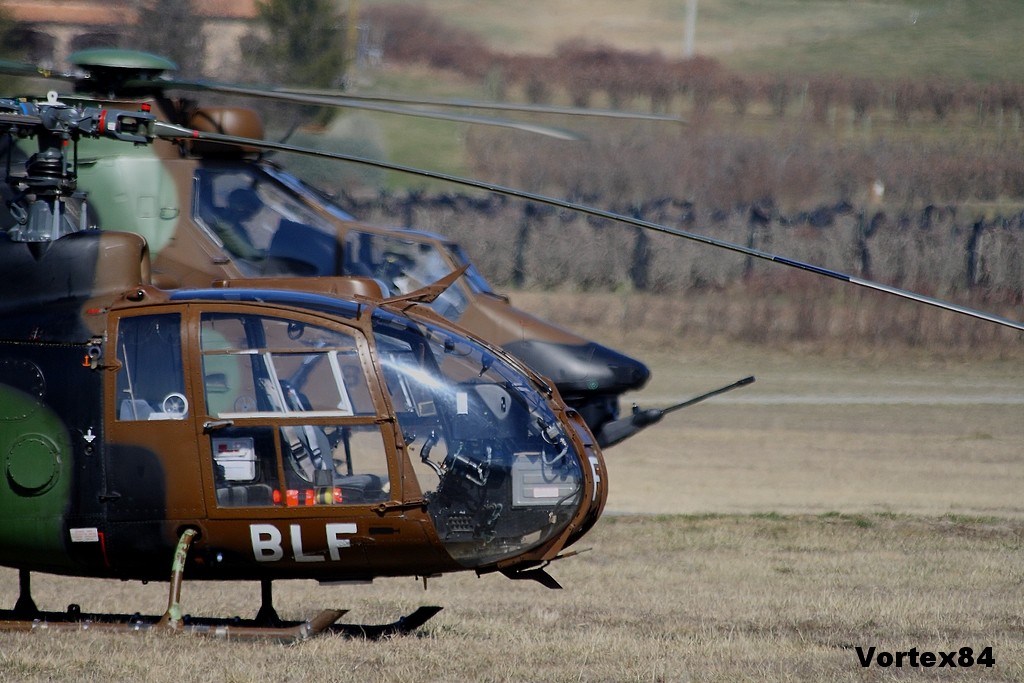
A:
x: 962, y: 658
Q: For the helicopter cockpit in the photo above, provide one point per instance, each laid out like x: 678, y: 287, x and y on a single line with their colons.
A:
x: 499, y: 473
x: 258, y: 214
x: 401, y: 265
x: 264, y: 227
x: 298, y: 411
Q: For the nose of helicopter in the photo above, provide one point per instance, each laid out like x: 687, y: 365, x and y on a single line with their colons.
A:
x: 582, y: 368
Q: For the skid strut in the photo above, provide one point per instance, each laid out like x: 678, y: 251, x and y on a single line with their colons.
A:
x: 267, y: 625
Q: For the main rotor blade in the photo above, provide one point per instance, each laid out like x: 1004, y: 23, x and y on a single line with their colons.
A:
x: 133, y: 62
x: 496, y: 106
x: 354, y: 103
x: 156, y: 85
x: 28, y: 120
x: 169, y: 131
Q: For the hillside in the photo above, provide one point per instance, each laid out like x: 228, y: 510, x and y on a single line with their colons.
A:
x: 860, y: 90
x: 970, y: 39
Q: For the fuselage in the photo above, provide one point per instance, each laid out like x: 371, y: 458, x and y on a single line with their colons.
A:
x: 299, y: 434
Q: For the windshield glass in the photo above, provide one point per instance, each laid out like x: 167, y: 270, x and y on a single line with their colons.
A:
x: 261, y: 224
x: 476, y: 281
x: 301, y: 187
x: 402, y: 265
x: 498, y: 471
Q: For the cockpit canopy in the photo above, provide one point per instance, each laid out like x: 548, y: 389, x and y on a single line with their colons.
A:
x: 261, y: 217
x: 497, y: 467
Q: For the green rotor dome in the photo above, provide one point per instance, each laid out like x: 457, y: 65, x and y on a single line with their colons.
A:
x: 116, y: 58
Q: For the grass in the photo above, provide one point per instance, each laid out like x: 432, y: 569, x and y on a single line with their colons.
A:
x: 749, y: 538
x: 954, y: 41
x: 674, y: 598
x: 881, y: 41
x: 410, y: 141
x: 815, y: 317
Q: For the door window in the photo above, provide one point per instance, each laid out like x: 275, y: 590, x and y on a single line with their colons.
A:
x: 306, y: 385
x: 150, y: 380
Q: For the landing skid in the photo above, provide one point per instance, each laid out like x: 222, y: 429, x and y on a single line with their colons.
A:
x: 266, y: 626
x: 404, y: 626
x: 227, y: 629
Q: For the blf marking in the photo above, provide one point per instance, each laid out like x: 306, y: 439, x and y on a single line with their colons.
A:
x: 267, y: 542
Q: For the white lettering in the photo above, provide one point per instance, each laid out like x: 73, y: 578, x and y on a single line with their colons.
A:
x: 85, y: 535
x: 297, y: 547
x: 334, y: 543
x: 266, y: 542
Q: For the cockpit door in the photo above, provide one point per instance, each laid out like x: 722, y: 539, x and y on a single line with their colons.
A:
x: 290, y: 420
x: 151, y: 470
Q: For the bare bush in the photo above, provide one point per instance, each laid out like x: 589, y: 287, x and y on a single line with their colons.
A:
x: 415, y: 34
x: 580, y: 70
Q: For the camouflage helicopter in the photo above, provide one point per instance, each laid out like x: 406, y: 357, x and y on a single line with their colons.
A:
x: 268, y: 428
x: 210, y: 211
x: 265, y: 429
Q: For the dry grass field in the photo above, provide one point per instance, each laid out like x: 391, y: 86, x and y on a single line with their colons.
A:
x: 767, y: 534
x: 675, y: 598
x: 813, y: 435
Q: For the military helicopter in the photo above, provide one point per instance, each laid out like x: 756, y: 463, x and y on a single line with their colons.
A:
x: 269, y: 428
x: 261, y: 430
x: 210, y: 211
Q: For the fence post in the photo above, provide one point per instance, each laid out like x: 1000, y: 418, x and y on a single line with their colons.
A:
x: 519, y: 247
x: 641, y: 260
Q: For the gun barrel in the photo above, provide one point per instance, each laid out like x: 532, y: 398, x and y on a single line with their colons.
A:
x: 619, y: 430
